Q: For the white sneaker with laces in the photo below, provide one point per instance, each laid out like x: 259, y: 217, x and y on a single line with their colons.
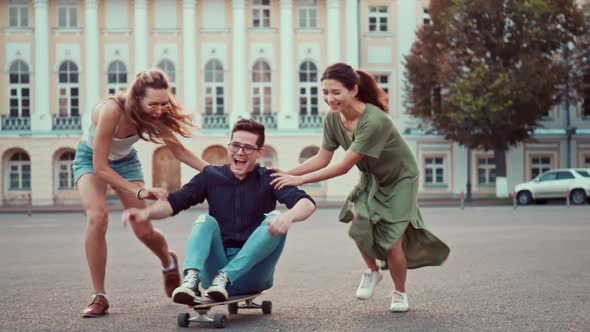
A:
x: 217, y: 290
x: 188, y: 292
x: 399, y: 302
x: 368, y: 283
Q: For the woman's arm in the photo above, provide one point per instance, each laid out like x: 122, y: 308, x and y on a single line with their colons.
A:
x: 180, y: 152
x: 320, y: 160
x: 350, y: 159
x: 109, y: 116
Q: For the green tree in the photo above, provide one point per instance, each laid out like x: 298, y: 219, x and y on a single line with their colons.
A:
x: 486, y: 72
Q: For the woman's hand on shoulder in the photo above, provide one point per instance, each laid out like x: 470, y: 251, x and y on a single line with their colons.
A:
x: 282, y: 180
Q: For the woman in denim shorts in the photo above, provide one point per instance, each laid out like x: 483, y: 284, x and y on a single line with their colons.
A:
x: 105, y: 156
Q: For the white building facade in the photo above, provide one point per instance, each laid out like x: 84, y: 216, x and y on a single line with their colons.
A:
x: 227, y: 60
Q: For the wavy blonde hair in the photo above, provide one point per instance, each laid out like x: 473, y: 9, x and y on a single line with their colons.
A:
x: 175, y: 118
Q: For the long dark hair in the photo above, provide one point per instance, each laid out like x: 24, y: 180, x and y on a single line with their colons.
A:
x: 368, y: 90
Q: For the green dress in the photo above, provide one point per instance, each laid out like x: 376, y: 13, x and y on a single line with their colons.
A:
x: 384, y: 203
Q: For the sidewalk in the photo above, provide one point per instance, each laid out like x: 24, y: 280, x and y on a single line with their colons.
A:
x: 116, y: 206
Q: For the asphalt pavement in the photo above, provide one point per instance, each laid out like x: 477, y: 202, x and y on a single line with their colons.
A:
x: 509, y: 270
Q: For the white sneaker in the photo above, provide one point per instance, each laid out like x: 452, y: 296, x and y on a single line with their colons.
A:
x: 368, y: 283
x: 217, y: 290
x: 399, y: 302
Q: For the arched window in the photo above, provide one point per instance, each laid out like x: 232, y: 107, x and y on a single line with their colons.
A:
x: 19, y: 90
x: 116, y: 77
x: 308, y: 88
x: 317, y: 188
x: 261, y: 88
x: 215, y: 155
x: 68, y: 90
x: 269, y: 158
x: 65, y: 173
x: 214, y: 89
x: 169, y: 69
x: 19, y: 172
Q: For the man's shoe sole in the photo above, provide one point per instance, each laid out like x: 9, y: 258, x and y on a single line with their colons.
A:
x: 217, y: 296
x: 184, y: 297
x: 95, y: 316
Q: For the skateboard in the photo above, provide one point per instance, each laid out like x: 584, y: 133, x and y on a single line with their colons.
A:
x: 218, y: 320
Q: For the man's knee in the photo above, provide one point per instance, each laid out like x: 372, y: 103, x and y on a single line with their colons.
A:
x: 269, y: 216
x: 205, y: 223
x: 205, y: 220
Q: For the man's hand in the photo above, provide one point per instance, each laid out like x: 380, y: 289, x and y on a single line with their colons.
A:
x: 135, y: 215
x: 279, y: 225
x: 154, y: 194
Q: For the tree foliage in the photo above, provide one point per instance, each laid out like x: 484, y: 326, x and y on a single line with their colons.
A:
x: 486, y: 72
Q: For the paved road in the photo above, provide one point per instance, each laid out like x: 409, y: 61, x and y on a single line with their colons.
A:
x: 523, y: 270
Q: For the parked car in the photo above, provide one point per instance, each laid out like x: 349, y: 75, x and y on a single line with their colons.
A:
x: 555, y: 184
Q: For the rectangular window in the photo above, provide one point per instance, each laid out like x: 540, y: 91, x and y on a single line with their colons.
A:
x: 261, y: 98
x: 539, y: 165
x: 18, y: 13
x: 378, y: 19
x: 434, y: 172
x: 68, y: 101
x: 308, y: 14
x: 587, y: 162
x: 66, y: 175
x: 261, y: 13
x: 214, y: 99
x: 426, y: 19
x: 308, y: 99
x: 67, y: 14
x: 19, y: 102
x: 19, y: 177
x: 383, y: 82
x: 486, y: 171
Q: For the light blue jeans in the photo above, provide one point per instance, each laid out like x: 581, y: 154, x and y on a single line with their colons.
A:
x: 250, y: 269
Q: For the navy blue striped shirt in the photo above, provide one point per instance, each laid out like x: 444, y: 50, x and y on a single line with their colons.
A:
x: 238, y: 206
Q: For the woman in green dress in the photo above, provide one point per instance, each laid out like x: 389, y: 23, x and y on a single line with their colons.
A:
x: 386, y: 222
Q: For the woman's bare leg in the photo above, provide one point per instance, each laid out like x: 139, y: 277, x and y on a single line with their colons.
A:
x: 398, y: 268
x: 145, y: 232
x: 93, y: 196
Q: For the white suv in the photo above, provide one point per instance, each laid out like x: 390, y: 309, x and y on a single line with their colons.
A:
x: 556, y: 183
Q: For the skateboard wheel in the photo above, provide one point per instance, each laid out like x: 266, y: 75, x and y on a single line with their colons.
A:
x: 219, y: 321
x: 232, y: 308
x: 266, y: 307
x: 183, y: 320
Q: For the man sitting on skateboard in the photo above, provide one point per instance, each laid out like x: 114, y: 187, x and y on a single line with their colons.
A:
x: 232, y: 250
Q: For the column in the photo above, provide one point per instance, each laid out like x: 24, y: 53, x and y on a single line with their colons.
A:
x: 140, y: 35
x: 189, y: 56
x: 333, y: 31
x: 41, y: 119
x: 92, y: 63
x: 288, y: 118
x: 405, y: 18
x: 239, y: 83
x: 352, y: 33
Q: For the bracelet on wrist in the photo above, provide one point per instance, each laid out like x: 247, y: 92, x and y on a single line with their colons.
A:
x: 139, y: 193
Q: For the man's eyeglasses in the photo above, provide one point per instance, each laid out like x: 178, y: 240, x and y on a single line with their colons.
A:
x: 247, y: 148
x: 155, y: 107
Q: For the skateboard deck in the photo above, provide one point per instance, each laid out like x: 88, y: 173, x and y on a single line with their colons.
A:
x: 218, y: 320
x: 210, y: 303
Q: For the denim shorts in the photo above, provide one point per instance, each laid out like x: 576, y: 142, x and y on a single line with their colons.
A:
x: 128, y: 167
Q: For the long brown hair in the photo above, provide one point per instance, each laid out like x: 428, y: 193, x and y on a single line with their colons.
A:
x: 174, y: 118
x: 368, y: 90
